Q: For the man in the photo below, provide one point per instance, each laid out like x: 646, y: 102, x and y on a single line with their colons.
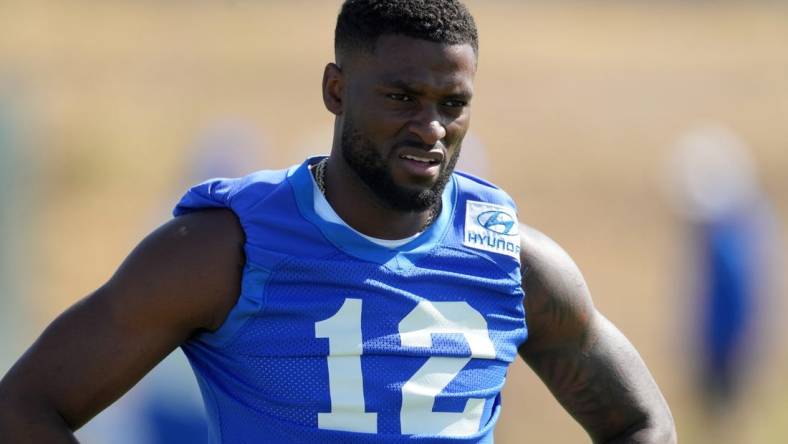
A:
x: 370, y: 296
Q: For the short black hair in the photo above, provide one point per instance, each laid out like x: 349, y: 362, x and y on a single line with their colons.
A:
x: 362, y: 22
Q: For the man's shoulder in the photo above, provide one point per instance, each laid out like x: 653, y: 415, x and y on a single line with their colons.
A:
x: 536, y: 245
x: 475, y: 188
x: 470, y: 181
x: 255, y: 183
x: 236, y: 193
x: 543, y: 257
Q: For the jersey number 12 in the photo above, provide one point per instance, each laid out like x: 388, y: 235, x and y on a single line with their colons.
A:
x: 348, y: 412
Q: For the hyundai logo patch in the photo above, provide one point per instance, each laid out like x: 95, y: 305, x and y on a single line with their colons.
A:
x: 498, y: 222
x: 492, y: 228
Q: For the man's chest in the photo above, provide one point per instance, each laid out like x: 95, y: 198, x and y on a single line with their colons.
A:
x: 353, y: 346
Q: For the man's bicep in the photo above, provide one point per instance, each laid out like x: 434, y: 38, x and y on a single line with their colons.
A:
x: 600, y: 380
x: 557, y: 303
x: 585, y: 361
x: 172, y: 284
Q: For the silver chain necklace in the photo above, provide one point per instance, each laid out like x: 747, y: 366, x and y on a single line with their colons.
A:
x: 320, y: 175
x: 320, y: 179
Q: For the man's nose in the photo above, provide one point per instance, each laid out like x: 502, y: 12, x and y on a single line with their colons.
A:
x: 428, y: 127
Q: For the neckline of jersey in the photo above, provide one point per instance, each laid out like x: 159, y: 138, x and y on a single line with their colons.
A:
x: 355, y: 244
x: 327, y: 213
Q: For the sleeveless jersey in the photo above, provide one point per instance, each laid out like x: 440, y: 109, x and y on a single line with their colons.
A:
x: 335, y: 339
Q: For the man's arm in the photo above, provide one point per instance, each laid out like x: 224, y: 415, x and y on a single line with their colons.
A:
x: 182, y: 278
x: 586, y: 362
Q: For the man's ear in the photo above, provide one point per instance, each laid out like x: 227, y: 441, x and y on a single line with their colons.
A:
x: 333, y: 88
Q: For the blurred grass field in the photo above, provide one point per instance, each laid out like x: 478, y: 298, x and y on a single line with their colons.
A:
x: 577, y: 103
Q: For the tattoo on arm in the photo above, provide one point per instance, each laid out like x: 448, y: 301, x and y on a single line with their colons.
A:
x: 586, y: 362
x: 592, y: 384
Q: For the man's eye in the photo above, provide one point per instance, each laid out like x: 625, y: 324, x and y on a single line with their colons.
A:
x: 399, y: 97
x: 455, y: 103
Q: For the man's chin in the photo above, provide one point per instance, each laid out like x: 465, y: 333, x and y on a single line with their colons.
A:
x: 411, y: 197
x: 417, y: 183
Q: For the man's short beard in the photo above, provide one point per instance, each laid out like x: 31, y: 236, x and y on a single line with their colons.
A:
x: 373, y: 170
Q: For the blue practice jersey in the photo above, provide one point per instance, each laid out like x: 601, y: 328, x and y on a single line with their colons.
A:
x: 336, y: 339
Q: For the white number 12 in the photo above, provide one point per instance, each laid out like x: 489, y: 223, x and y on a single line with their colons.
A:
x: 345, y: 380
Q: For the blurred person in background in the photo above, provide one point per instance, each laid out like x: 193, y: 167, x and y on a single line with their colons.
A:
x: 371, y: 295
x: 715, y: 188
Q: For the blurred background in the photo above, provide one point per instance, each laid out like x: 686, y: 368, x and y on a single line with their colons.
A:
x: 650, y: 139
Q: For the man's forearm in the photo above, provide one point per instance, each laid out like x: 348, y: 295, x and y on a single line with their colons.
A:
x: 25, y: 422
x: 661, y: 432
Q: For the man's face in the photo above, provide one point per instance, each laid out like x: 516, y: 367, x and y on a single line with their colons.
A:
x: 406, y: 113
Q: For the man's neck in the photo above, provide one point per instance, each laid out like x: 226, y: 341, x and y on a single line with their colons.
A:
x: 360, y: 208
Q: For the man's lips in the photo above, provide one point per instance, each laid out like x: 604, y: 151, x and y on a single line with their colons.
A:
x: 418, y: 162
x: 434, y: 156
x: 420, y: 159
